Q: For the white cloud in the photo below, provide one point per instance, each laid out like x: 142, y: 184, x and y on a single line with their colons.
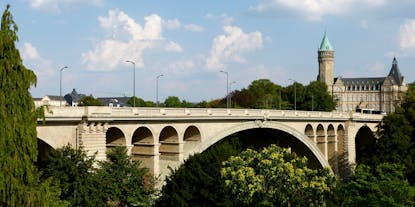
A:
x: 55, y: 5
x: 172, y: 24
x: 230, y: 46
x: 316, y: 9
x: 193, y: 28
x: 173, y: 47
x: 41, y: 66
x: 129, y: 41
x: 407, y: 35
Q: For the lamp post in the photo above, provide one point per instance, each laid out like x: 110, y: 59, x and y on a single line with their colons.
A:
x: 157, y: 89
x: 295, y: 94
x: 60, y: 85
x: 132, y: 62
x: 227, y: 87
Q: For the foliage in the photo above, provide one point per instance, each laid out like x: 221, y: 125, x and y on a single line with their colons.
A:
x: 172, y: 102
x: 396, y: 143
x: 19, y: 179
x: 73, y: 171
x: 197, y: 182
x: 383, y: 185
x: 139, y: 102
x: 123, y: 181
x: 317, y: 98
x: 275, y: 177
x: 89, y: 101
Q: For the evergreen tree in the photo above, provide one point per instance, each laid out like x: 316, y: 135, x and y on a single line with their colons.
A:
x: 19, y: 181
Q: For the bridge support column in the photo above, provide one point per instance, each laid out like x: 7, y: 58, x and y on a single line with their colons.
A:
x: 148, y: 154
x: 92, y: 137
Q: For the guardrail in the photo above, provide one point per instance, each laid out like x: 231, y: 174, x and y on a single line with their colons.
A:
x: 208, y: 113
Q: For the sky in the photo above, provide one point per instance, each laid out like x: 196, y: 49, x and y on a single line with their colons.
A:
x: 190, y: 42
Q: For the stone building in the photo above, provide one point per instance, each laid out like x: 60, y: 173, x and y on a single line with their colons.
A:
x: 377, y: 94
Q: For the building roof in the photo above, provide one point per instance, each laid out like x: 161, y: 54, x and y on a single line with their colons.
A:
x: 363, y: 81
x: 395, y: 73
x: 325, y: 44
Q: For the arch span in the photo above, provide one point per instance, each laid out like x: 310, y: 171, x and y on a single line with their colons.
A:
x: 270, y: 125
x: 114, y: 137
x: 364, y: 140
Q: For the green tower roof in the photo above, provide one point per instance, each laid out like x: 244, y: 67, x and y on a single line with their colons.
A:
x: 325, y: 44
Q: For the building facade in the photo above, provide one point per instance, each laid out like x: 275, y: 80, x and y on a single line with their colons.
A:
x: 381, y: 94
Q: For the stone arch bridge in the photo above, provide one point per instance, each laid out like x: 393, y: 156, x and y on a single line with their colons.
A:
x: 162, y: 137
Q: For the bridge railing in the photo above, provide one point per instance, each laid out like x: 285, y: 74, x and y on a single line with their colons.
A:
x: 137, y: 112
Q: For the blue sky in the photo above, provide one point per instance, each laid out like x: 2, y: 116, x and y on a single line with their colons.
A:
x: 191, y: 41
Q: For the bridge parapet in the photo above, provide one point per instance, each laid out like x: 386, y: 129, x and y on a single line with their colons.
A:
x: 103, y: 112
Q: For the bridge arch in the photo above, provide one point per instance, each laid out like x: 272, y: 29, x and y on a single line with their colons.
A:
x: 114, y: 137
x: 321, y: 139
x: 191, y: 137
x: 309, y: 132
x: 169, y: 143
x: 142, y: 143
x: 44, y: 149
x: 331, y: 146
x: 302, y: 138
x: 364, y: 139
x: 342, y: 162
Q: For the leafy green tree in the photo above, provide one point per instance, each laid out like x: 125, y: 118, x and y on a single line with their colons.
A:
x: 198, y: 182
x: 73, y: 171
x: 295, y: 95
x: 173, y: 102
x: 265, y: 93
x: 383, y: 185
x: 317, y: 98
x: 19, y: 180
x: 89, y: 101
x: 123, y: 181
x: 139, y: 102
x: 275, y: 177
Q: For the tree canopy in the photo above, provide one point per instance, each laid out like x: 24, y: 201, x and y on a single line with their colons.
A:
x: 275, y: 177
x: 383, y: 185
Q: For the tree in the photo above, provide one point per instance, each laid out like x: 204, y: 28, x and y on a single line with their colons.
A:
x: 265, y: 93
x: 89, y: 101
x: 383, y: 185
x: 173, y: 102
x: 139, y: 102
x: 295, y: 95
x: 198, y: 182
x: 275, y: 177
x: 317, y: 98
x: 19, y: 180
x: 123, y: 181
x: 73, y: 171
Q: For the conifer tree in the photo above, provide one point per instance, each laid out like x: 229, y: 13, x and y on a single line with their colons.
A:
x: 19, y: 183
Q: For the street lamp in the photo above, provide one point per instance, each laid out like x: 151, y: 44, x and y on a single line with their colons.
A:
x: 60, y: 85
x: 157, y: 89
x: 295, y: 94
x: 132, y: 62
x: 227, y: 87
